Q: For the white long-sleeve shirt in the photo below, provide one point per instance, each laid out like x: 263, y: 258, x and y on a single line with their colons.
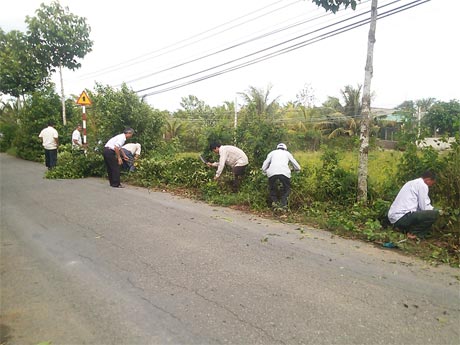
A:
x: 232, y: 156
x: 277, y: 163
x: 412, y: 197
x: 134, y: 148
x: 117, y: 141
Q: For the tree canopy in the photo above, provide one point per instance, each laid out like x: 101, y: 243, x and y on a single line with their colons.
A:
x: 59, y: 37
x: 20, y: 72
x: 334, y: 5
x: 443, y: 117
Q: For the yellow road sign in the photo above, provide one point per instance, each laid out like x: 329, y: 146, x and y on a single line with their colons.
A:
x: 83, y: 99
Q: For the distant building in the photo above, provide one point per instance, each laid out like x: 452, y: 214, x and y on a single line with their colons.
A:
x: 438, y: 144
x: 390, y: 123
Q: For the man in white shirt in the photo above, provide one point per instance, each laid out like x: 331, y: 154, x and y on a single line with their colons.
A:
x: 411, y: 211
x: 50, y: 142
x: 76, y: 138
x: 276, y: 167
x: 130, y: 153
x: 234, y: 158
x: 112, y: 156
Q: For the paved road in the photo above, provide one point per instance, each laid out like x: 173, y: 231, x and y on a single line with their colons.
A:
x: 83, y: 263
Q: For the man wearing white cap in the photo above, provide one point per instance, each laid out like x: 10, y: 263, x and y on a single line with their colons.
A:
x: 276, y: 167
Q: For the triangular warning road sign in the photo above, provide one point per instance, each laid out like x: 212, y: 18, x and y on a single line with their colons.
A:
x: 83, y: 99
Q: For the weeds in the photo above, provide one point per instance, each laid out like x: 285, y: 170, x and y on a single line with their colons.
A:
x: 323, y: 195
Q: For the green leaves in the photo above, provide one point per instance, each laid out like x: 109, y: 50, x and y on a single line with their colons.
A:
x: 444, y: 117
x: 334, y: 5
x: 20, y: 72
x: 113, y: 110
x: 59, y: 37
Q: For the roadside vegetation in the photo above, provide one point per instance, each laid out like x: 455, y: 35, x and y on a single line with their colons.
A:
x: 325, y: 140
x: 324, y: 193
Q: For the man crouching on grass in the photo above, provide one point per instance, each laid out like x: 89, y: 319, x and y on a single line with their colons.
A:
x: 232, y: 156
x: 411, y: 211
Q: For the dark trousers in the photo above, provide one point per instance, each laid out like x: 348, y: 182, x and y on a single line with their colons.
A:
x: 284, y: 191
x: 238, y: 173
x: 50, y: 158
x: 129, y: 164
x: 417, y: 223
x: 113, y: 169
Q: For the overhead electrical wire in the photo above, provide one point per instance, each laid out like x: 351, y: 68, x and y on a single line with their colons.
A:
x: 281, y: 51
x: 265, y: 35
x: 147, y: 56
x: 254, y: 53
x: 224, y: 49
x: 313, y: 120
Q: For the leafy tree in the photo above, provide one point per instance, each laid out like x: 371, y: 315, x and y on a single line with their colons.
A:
x: 59, y: 38
x: 257, y: 138
x: 114, y: 110
x: 334, y: 5
x: 196, y: 110
x: 192, y: 104
x: 20, y: 72
x: 8, y: 124
x: 198, y: 117
x: 444, y: 116
x: 41, y: 107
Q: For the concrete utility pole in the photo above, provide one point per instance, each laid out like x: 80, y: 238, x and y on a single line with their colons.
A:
x: 235, y: 119
x: 419, y: 117
x: 366, y: 109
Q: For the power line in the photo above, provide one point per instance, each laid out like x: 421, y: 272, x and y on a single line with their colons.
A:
x: 251, y: 54
x: 148, y: 56
x: 225, y: 49
x: 281, y: 51
x: 313, y: 120
x: 265, y: 35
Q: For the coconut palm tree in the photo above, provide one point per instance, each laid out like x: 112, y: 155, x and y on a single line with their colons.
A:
x: 352, y: 98
x: 173, y: 127
x: 349, y: 128
x: 258, y: 104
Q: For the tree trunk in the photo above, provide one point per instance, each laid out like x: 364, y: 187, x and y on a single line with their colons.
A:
x: 64, y: 120
x: 366, y: 109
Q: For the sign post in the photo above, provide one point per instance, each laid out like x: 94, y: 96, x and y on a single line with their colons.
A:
x: 84, y: 100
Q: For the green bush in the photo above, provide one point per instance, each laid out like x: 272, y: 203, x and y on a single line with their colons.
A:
x: 8, y: 132
x: 75, y: 164
x: 333, y: 183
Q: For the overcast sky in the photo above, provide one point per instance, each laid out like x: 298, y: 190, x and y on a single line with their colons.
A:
x: 156, y: 45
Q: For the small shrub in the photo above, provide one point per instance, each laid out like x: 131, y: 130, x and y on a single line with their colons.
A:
x: 73, y: 165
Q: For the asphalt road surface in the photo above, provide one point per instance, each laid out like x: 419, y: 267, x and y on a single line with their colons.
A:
x: 84, y: 263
